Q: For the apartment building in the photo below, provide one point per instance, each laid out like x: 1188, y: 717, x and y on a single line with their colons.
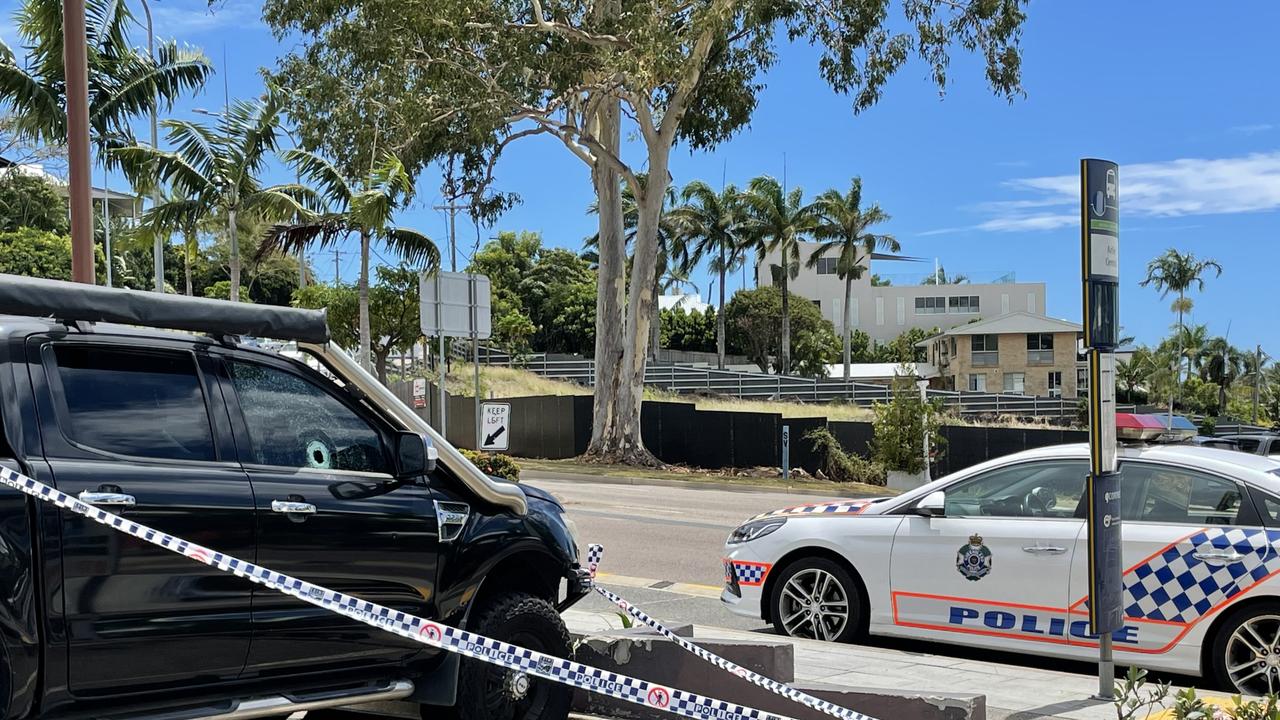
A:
x: 884, y: 312
x: 1020, y: 352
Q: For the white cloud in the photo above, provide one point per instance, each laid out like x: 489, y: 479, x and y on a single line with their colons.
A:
x: 1172, y: 188
x: 1252, y: 129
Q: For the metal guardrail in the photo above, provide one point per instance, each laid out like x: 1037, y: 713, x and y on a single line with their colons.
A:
x: 760, y: 386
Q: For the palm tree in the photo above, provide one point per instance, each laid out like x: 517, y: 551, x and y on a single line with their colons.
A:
x: 1177, y: 272
x: 843, y: 227
x: 215, y: 170
x: 187, y: 221
x: 711, y: 221
x: 362, y: 206
x: 123, y: 83
x: 1223, y: 365
x: 776, y: 222
x: 1135, y: 372
x: 940, y: 278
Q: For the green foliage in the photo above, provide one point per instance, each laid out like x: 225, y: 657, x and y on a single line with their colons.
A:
x: 693, y: 331
x: 755, y: 330
x: 1134, y: 700
x: 903, y: 348
x: 901, y: 425
x: 269, y: 280
x: 495, y: 464
x: 341, y: 302
x: 35, y: 253
x: 29, y: 201
x: 840, y: 466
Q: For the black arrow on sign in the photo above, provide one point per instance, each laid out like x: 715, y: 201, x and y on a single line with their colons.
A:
x: 488, y: 440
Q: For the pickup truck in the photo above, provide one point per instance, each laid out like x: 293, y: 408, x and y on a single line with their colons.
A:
x: 307, y: 468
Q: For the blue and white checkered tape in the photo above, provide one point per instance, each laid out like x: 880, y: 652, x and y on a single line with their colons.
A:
x: 574, y: 674
x: 594, y: 555
x: 1186, y: 581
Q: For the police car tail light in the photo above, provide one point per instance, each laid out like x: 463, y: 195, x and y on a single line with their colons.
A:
x: 1152, y: 428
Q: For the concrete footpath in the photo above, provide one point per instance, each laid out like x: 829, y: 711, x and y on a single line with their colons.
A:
x: 1012, y: 692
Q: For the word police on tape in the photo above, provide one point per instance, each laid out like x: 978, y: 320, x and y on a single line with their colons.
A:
x: 596, y: 552
x: 514, y: 657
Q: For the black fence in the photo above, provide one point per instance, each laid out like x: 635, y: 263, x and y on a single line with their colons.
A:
x: 559, y: 427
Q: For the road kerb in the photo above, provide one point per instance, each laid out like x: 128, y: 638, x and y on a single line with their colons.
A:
x: 693, y: 589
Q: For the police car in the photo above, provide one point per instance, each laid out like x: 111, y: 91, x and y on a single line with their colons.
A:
x: 996, y: 556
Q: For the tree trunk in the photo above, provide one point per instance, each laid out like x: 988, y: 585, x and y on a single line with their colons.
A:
x: 186, y: 269
x: 655, y: 326
x: 381, y: 364
x: 1177, y: 381
x: 784, y: 352
x: 365, y: 340
x: 605, y: 444
x: 848, y: 293
x: 721, y: 330
x: 233, y: 242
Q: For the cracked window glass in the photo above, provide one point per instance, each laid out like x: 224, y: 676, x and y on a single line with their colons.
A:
x: 293, y: 423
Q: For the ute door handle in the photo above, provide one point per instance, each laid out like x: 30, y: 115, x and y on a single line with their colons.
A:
x: 1218, y: 557
x: 292, y: 507
x: 1039, y: 549
x: 107, y: 498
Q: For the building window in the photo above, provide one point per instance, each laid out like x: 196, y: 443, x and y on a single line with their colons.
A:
x: 1039, y: 348
x: 985, y: 350
x: 879, y: 311
x: 953, y: 345
x: 902, y: 311
x: 1015, y: 382
x: 931, y: 305
x: 962, y: 304
x: 1082, y: 380
x: 818, y: 304
x: 978, y: 382
x: 1055, y: 383
x: 827, y: 266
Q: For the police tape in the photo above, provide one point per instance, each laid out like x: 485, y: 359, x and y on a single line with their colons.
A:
x: 513, y: 657
x: 594, y: 555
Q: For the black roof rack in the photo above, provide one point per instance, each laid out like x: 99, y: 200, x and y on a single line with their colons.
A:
x: 69, y: 302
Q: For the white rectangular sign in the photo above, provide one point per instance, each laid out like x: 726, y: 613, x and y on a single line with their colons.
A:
x: 1104, y: 255
x: 447, y: 303
x: 495, y: 426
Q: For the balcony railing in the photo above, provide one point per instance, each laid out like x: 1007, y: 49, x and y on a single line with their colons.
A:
x: 986, y: 358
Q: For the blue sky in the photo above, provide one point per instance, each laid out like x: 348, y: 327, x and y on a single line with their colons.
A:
x: 1183, y: 97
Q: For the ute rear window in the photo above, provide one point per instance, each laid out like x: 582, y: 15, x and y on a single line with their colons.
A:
x: 144, y: 404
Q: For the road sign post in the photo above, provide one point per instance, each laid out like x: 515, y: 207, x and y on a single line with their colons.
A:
x: 495, y: 427
x: 455, y: 305
x: 1100, y: 275
x: 786, y: 452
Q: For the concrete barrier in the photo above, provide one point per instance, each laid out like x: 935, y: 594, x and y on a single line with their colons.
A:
x: 649, y: 656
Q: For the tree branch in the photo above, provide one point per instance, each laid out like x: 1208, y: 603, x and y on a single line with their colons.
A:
x: 541, y: 23
x: 696, y: 65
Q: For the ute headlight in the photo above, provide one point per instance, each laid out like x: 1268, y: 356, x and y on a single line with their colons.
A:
x: 755, y: 530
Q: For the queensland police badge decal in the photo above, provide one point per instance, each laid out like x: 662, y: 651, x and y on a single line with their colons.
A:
x: 974, y: 560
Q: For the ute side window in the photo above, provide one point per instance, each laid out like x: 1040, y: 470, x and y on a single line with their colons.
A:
x: 143, y: 403
x: 294, y: 423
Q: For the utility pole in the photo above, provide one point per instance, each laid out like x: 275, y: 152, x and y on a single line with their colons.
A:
x: 1257, y: 381
x: 76, y: 71
x: 452, y: 208
x: 158, y: 249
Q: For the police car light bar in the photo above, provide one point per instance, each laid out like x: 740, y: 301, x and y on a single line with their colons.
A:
x: 1153, y: 428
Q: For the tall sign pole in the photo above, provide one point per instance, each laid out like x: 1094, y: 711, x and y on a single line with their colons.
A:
x: 76, y: 69
x: 1100, y: 273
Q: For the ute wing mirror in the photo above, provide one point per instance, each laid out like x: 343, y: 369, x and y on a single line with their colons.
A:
x: 414, y: 455
x: 932, y: 505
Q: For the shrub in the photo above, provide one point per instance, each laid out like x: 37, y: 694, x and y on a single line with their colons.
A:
x: 495, y: 464
x: 841, y: 466
x: 901, y: 424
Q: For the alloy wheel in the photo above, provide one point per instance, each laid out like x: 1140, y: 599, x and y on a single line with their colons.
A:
x: 1252, y: 655
x: 814, y: 604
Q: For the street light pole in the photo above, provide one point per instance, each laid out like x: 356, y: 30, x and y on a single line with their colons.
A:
x: 76, y: 71
x: 158, y: 249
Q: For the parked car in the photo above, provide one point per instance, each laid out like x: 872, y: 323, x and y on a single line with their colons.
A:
x: 203, y: 436
x: 995, y: 556
x: 1256, y: 443
x: 1223, y: 443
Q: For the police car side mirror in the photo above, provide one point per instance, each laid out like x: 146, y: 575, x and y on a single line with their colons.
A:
x: 933, y: 505
x: 415, y: 455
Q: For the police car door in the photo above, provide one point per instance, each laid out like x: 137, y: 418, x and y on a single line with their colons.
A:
x: 995, y: 568
x: 1190, y: 544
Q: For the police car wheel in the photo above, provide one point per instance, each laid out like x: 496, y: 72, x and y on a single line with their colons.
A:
x: 491, y: 692
x: 1246, y: 651
x: 816, y: 598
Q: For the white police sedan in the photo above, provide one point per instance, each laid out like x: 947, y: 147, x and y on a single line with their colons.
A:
x: 996, y: 556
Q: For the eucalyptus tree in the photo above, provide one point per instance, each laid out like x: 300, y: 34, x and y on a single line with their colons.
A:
x: 776, y: 222
x: 215, y: 170
x: 712, y: 223
x: 844, y: 227
x: 483, y: 74
x: 363, y: 206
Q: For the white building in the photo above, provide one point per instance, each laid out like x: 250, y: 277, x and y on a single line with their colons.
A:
x: 884, y: 312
